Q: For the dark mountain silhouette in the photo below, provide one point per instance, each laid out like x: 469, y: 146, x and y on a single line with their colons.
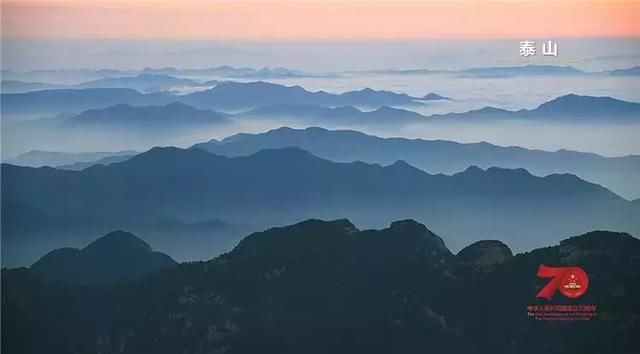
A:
x: 484, y: 255
x: 564, y: 108
x: 236, y: 95
x: 173, y: 115
x: 284, y: 185
x: 144, y: 82
x: 115, y: 256
x: 437, y: 156
x: 77, y: 100
x: 337, y: 115
x: 39, y: 158
x: 328, y: 287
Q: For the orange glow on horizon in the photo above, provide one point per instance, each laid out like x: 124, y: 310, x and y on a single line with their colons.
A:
x: 332, y: 20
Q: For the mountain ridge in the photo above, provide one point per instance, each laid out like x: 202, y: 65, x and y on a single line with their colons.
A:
x: 398, y: 281
x: 253, y: 190
x: 435, y: 156
x: 113, y: 257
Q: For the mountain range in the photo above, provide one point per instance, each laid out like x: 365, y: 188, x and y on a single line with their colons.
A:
x: 329, y: 287
x: 526, y: 70
x: 224, y: 95
x: 505, y: 71
x: 567, y: 108
x: 632, y: 71
x: 77, y: 100
x: 315, y: 114
x: 39, y: 158
x: 274, y: 99
x: 16, y: 86
x: 135, y: 118
x: 40, y: 205
x: 144, y: 82
x: 564, y: 108
x: 235, y: 95
x: 225, y: 71
x: 437, y: 156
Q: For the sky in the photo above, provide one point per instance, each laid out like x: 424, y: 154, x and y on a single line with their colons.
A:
x: 318, y: 20
x: 315, y: 34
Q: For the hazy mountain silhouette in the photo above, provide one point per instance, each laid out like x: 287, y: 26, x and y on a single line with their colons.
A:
x: 436, y: 156
x: 326, y: 286
x: 39, y: 158
x: 224, y: 95
x: 570, y: 108
x: 143, y: 82
x: 236, y: 95
x: 103, y: 161
x: 234, y: 72
x: 634, y: 70
x: 526, y: 70
x: 84, y: 75
x: 337, y: 115
x: 115, y: 256
x: 284, y: 185
x: 173, y: 115
x: 491, y: 72
x: 564, y: 108
x: 16, y: 86
x: 431, y: 96
x: 77, y: 100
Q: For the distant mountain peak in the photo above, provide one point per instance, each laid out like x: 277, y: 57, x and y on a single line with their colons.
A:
x: 115, y: 256
x: 588, y: 106
x: 118, y: 240
x: 473, y: 169
x: 432, y: 96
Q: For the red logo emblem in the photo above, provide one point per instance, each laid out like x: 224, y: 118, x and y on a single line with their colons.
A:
x: 572, y: 282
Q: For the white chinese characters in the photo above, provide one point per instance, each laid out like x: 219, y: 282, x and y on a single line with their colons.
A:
x: 528, y: 48
x: 550, y: 49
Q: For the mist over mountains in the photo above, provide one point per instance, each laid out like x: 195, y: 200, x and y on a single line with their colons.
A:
x: 254, y: 190
x: 270, y: 99
x: 433, y: 156
x: 171, y: 116
x: 326, y: 183
x: 100, y: 165
x: 568, y: 107
x: 37, y: 158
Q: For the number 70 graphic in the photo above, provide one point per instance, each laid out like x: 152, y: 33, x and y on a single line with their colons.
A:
x: 572, y: 282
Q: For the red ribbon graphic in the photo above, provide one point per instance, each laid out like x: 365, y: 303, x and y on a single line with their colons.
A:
x: 562, y: 276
